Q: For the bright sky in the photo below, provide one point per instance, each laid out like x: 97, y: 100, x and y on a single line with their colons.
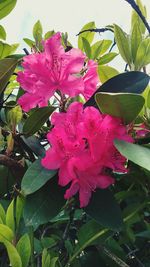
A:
x: 65, y: 15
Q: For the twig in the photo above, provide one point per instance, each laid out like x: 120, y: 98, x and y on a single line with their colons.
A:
x: 12, y: 164
x: 96, y: 30
x: 138, y: 11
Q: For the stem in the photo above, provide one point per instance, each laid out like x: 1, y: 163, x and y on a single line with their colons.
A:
x: 96, y: 30
x: 138, y: 11
x: 31, y: 234
x: 112, y: 256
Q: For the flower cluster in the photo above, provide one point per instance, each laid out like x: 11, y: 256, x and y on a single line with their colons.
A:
x: 83, y: 151
x: 55, y: 70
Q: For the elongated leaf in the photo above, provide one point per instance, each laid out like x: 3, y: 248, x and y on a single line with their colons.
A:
x: 143, y: 54
x: 24, y: 249
x: 19, y: 209
x: 136, y: 39
x: 37, y: 31
x: 10, y: 222
x: 86, y: 47
x: 99, y: 48
x: 123, y: 105
x: 34, y: 143
x: 106, y: 73
x: 107, y: 58
x: 6, y: 233
x: 37, y: 119
x: 6, y: 7
x: 136, y: 18
x: 44, y: 204
x: 2, y: 33
x: 137, y: 154
x: 7, y: 67
x: 94, y: 234
x: 29, y: 42
x: 105, y: 210
x: 130, y: 82
x: 2, y: 214
x: 123, y: 44
x: 89, y: 36
x: 35, y: 177
x: 13, y: 254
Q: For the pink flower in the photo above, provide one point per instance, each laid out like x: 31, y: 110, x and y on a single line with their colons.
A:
x: 83, y: 151
x: 52, y: 70
x: 142, y: 131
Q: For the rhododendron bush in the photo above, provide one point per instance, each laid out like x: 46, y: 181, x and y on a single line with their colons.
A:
x: 75, y: 147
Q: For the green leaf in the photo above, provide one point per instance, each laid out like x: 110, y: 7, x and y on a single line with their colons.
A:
x: 136, y: 39
x: 107, y: 58
x: 2, y: 214
x: 45, y: 258
x: 13, y: 254
x: 136, y: 19
x: 143, y: 54
x: 49, y: 200
x: 7, y: 67
x: 129, y: 82
x: 5, y: 50
x: 34, y: 143
x: 37, y: 119
x: 99, y: 48
x: 35, y: 177
x: 86, y: 47
x: 94, y: 234
x: 6, y: 7
x: 123, y: 105
x: 24, y: 249
x: 19, y: 209
x: 6, y: 233
x: 136, y: 153
x: 2, y: 33
x: 48, y: 34
x: 10, y: 222
x: 53, y: 262
x: 14, y: 116
x: 37, y: 31
x: 123, y: 44
x: 89, y: 36
x: 29, y: 42
x: 104, y: 209
x: 106, y: 73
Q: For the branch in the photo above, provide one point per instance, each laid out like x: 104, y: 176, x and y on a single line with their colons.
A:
x: 96, y: 30
x: 138, y: 11
x: 12, y: 164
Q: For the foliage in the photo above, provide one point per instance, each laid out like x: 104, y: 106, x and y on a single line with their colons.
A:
x: 38, y: 227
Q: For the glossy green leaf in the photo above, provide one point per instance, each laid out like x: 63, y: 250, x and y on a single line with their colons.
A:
x: 136, y: 19
x: 129, y: 82
x: 24, y: 249
x: 14, y: 116
x: 20, y: 201
x: 143, y: 54
x: 99, y: 48
x: 107, y: 58
x: 123, y: 44
x: 6, y: 233
x: 2, y: 33
x: 94, y: 234
x: 45, y: 258
x: 10, y: 221
x: 48, y: 34
x: 35, y: 177
x: 123, y: 105
x: 29, y: 42
x: 136, y: 153
x: 86, y: 47
x: 44, y: 204
x: 37, y: 119
x: 136, y: 39
x: 107, y: 213
x: 13, y: 254
x: 34, y: 143
x: 6, y: 7
x: 5, y: 50
x: 37, y: 31
x: 89, y: 36
x: 7, y: 67
x: 106, y: 73
x: 2, y: 214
